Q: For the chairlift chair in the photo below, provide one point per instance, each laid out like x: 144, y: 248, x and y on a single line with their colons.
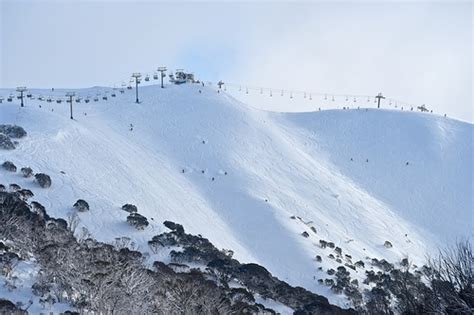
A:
x: 29, y: 95
x: 325, y: 97
x: 1, y: 99
x: 104, y: 97
x: 49, y: 100
x: 59, y: 101
x: 87, y: 100
x: 333, y: 99
x: 147, y: 78
x: 96, y: 99
x: 155, y: 76
x: 10, y: 98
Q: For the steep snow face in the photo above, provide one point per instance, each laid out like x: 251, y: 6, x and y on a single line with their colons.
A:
x: 237, y: 175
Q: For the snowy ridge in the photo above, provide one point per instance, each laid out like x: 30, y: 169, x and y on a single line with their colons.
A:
x: 237, y: 175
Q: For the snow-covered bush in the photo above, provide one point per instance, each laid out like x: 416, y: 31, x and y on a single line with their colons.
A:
x: 43, y: 180
x: 9, y: 166
x: 130, y: 208
x: 137, y: 220
x: 26, y: 171
x: 14, y: 187
x: 6, y: 143
x: 13, y: 131
x: 25, y: 194
x: 81, y: 205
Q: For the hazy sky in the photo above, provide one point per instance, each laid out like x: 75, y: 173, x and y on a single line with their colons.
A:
x: 420, y: 52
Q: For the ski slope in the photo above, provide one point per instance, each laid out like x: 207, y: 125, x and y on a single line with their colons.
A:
x: 237, y: 175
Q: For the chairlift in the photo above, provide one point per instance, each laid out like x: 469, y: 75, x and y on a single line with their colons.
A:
x: 59, y: 101
x: 155, y: 76
x: 1, y: 99
x: 291, y: 94
x: 355, y: 100
x: 104, y: 97
x: 281, y: 93
x: 333, y: 99
x: 129, y: 87
x: 96, y: 99
x: 368, y: 99
x: 87, y: 100
x: 310, y: 97
x: 261, y: 91
x: 41, y: 98
x: 10, y: 98
x: 29, y: 95
x: 78, y: 100
x: 271, y: 93
x: 147, y: 78
x: 246, y: 91
x: 49, y: 100
x: 325, y: 97
x: 304, y: 95
x: 113, y: 94
x: 347, y: 98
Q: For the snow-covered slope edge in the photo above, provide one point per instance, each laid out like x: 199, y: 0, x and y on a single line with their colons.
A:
x: 246, y: 172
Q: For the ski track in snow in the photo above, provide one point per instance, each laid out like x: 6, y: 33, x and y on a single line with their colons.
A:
x: 277, y: 164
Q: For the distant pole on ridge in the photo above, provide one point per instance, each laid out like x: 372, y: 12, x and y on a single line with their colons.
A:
x: 70, y: 95
x: 220, y: 84
x: 379, y: 97
x: 137, y: 77
x: 21, y: 89
x: 162, y: 70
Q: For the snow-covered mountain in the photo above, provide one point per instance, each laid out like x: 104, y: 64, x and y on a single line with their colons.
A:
x: 253, y: 181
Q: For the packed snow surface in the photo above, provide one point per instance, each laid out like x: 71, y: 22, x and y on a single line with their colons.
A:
x: 237, y: 175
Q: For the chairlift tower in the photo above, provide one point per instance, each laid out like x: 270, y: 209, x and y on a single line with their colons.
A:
x: 137, y: 77
x: 379, y: 97
x: 70, y: 95
x: 21, y: 89
x: 220, y: 84
x: 162, y: 71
